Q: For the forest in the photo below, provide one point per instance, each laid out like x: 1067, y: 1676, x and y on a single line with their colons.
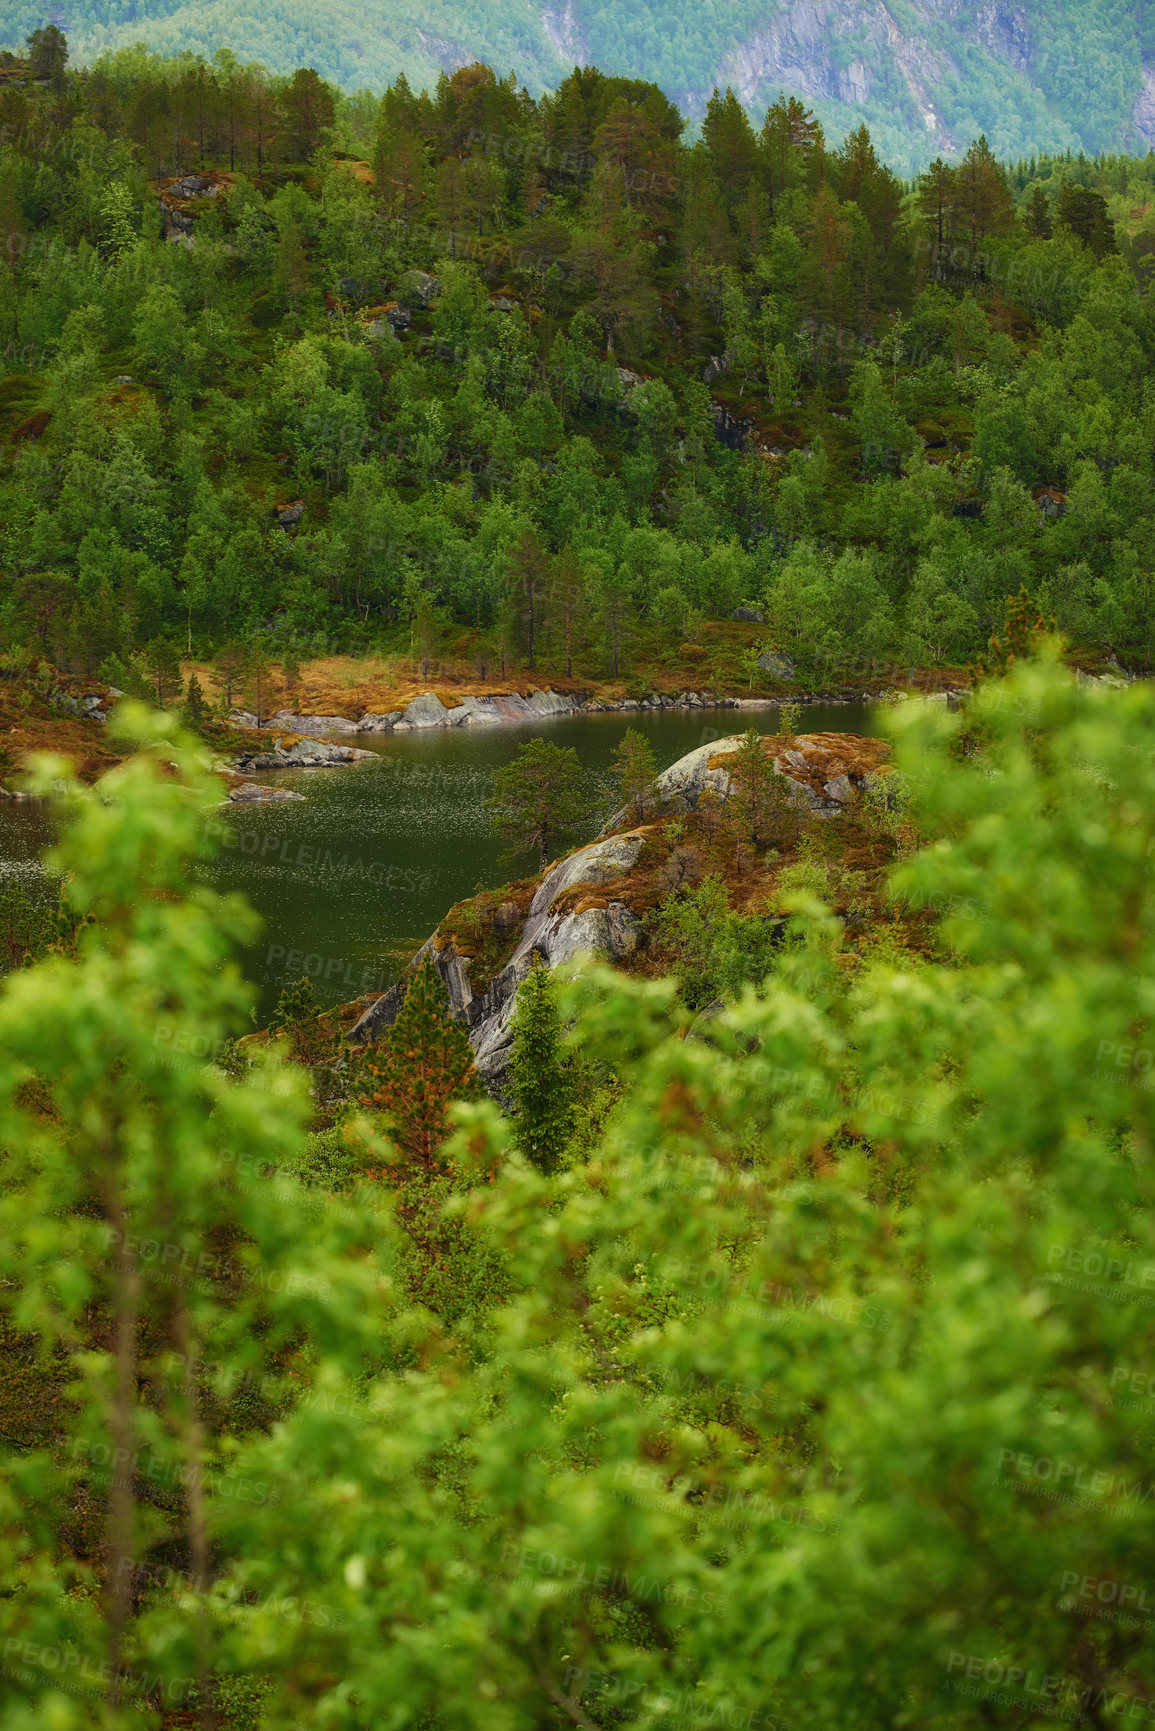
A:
x: 283, y: 368
x: 925, y: 76
x: 769, y: 1344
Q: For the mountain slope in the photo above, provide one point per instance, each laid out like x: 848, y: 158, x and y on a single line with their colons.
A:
x: 926, y: 75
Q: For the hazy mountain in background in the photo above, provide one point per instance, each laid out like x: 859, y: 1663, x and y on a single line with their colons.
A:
x: 926, y: 75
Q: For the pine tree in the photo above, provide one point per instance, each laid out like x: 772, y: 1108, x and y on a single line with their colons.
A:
x: 258, y: 675
x: 755, y: 791
x: 1038, y: 215
x: 538, y: 798
x: 636, y: 771
x: 196, y: 708
x: 423, y: 1064
x: 567, y: 602
x: 528, y: 583
x: 229, y: 668
x: 164, y: 672
x: 538, y: 1080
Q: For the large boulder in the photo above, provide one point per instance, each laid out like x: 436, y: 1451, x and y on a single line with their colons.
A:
x: 823, y: 770
x: 777, y: 665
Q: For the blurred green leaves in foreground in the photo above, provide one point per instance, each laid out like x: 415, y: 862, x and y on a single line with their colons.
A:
x: 819, y: 1394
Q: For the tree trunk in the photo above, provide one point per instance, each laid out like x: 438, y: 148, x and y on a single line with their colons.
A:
x: 121, y: 1520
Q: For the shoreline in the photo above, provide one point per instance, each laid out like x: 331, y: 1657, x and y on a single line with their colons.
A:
x: 495, y: 709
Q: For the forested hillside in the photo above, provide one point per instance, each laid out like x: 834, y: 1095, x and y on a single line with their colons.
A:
x: 286, y: 370
x: 926, y: 76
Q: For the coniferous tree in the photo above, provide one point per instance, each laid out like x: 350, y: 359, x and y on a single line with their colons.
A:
x: 755, y: 788
x: 423, y: 1063
x: 196, y: 707
x: 164, y: 672
x: 538, y: 798
x: 636, y: 770
x: 538, y: 1081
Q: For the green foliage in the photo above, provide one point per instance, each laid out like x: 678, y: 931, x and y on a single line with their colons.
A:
x: 696, y: 1409
x: 538, y: 1081
x: 420, y: 1067
x: 145, y: 1260
x: 490, y: 465
x: 538, y: 799
x: 33, y: 925
x: 196, y: 704
x: 635, y: 770
x: 851, y: 1273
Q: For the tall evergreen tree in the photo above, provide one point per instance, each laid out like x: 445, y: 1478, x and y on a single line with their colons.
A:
x: 636, y: 772
x: 421, y: 1066
x: 538, y: 1080
x: 538, y: 798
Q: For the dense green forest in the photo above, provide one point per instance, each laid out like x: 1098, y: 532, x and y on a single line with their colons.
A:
x: 484, y: 340
x: 1043, y: 77
x: 772, y: 1347
x: 787, y: 1366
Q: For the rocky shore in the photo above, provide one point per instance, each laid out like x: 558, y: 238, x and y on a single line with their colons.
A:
x: 493, y: 709
x: 823, y: 772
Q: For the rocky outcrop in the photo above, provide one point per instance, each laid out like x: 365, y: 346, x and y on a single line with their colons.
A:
x: 779, y: 666
x: 1143, y: 113
x: 302, y: 754
x: 564, y: 33
x: 428, y: 710
x: 257, y: 793
x: 558, y: 936
x: 823, y: 770
x: 425, y: 287
x: 87, y: 705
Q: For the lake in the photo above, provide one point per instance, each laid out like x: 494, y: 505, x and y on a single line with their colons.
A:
x: 351, y: 882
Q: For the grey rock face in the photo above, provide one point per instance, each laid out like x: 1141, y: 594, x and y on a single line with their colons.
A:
x: 778, y: 666
x: 750, y: 614
x: 1143, y: 113
x: 304, y: 754
x: 426, y: 287
x: 257, y: 793
x: 288, y: 721
x: 379, y: 723
x: 557, y: 938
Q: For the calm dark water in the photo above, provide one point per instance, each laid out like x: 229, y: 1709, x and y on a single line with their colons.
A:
x: 353, y: 880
